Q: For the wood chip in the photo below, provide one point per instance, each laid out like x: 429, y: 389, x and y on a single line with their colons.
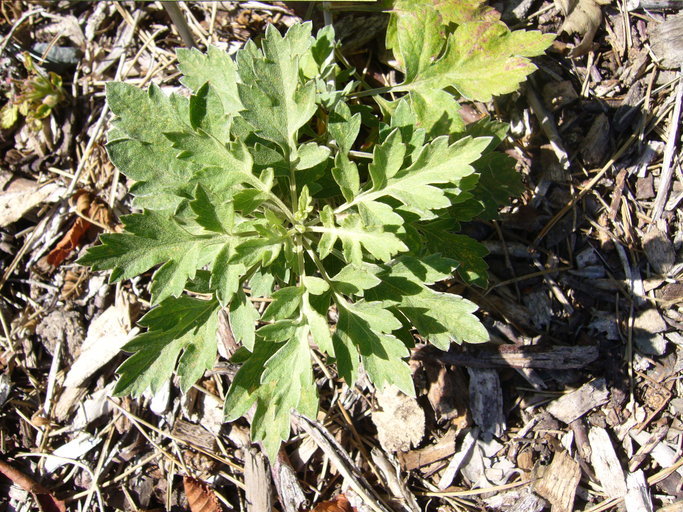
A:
x: 659, y: 251
x: 665, y: 40
x: 400, y: 421
x: 663, y: 455
x: 573, y: 405
x: 341, y: 460
x: 194, y: 434
x: 519, y: 356
x: 638, y: 495
x: 559, y: 482
x: 106, y: 335
x: 404, y: 500
x: 606, y: 463
x: 257, y: 482
x: 289, y: 490
x: 457, y: 460
x: 23, y: 195
x: 445, y: 394
x: 646, y: 447
x: 486, y: 401
x: 596, y: 144
x: 415, y: 459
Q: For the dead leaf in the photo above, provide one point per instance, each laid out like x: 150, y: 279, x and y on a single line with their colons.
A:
x: 444, y: 396
x: 339, y: 503
x: 200, y: 496
x: 88, y: 206
x: 92, y: 207
x: 583, y: 17
x: 69, y: 243
x: 23, y: 195
x: 400, y: 421
x: 47, y: 501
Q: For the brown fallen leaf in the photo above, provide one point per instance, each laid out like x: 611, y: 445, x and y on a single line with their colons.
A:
x: 200, y: 496
x: 583, y: 17
x: 69, y: 243
x: 47, y: 501
x: 88, y: 206
x: 339, y: 503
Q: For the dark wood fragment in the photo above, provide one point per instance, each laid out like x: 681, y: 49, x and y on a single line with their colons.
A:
x: 486, y: 401
x: 444, y: 448
x: 517, y: 356
x: 445, y: 393
x: 289, y: 489
x: 194, y: 434
x: 653, y: 5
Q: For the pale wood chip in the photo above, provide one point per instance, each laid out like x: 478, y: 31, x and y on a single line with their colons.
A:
x: 559, y: 482
x: 573, y: 405
x: 606, y: 463
x: 257, y: 482
x: 638, y: 496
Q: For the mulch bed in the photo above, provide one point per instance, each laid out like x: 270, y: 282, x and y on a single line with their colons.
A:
x: 574, y: 405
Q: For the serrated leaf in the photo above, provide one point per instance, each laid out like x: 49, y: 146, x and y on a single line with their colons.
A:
x: 275, y: 102
x: 353, y: 279
x: 387, y: 160
x: 467, y: 252
x: 436, y: 163
x: 461, y: 11
x: 498, y: 181
x: 212, y: 213
x: 140, y: 150
x: 310, y: 155
x: 343, y: 127
x: 346, y: 175
x: 207, y: 114
x: 355, y: 237
x: 315, y: 285
x: 482, y: 59
x: 214, y: 67
x: 226, y: 275
x: 314, y: 311
x: 439, y: 317
x: 415, y: 35
x: 363, y: 332
x: 285, y: 302
x: 153, y: 238
x: 289, y: 364
x: 184, y: 327
x: 436, y: 111
x: 243, y: 317
x: 281, y: 330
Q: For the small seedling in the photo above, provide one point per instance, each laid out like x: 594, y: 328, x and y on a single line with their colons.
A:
x: 37, y: 95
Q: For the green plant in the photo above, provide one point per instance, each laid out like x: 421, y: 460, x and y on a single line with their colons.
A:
x: 37, y: 96
x: 254, y: 188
